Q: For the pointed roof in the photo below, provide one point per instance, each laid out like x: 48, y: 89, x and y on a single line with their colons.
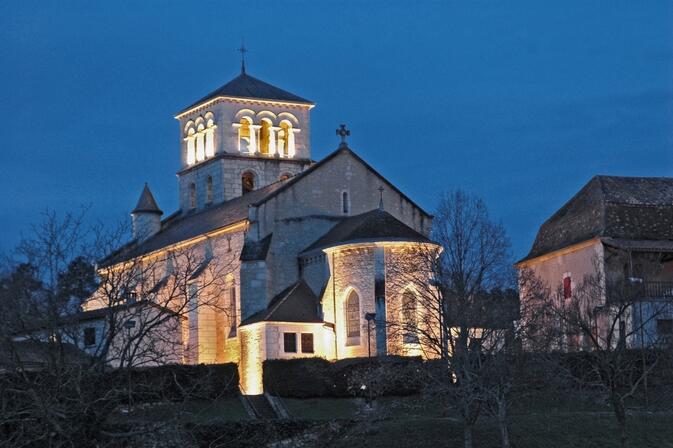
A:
x: 373, y: 226
x: 246, y: 86
x: 616, y: 207
x: 296, y: 303
x: 147, y: 203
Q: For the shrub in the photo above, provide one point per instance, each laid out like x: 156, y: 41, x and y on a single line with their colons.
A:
x: 178, y: 382
x: 317, y: 377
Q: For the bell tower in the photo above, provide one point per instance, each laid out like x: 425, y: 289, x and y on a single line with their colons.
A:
x: 241, y: 137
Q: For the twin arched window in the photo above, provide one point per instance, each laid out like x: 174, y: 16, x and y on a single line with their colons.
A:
x: 265, y: 137
x: 200, y: 138
x: 352, y: 309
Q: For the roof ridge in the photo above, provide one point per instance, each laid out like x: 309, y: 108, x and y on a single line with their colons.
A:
x: 341, y: 149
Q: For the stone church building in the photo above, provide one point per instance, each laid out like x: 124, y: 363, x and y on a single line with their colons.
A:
x: 311, y: 245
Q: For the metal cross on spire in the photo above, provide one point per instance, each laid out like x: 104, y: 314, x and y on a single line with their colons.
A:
x: 243, y: 51
x: 380, y: 197
x: 343, y: 133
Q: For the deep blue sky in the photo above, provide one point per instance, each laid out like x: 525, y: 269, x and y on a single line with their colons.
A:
x: 518, y: 102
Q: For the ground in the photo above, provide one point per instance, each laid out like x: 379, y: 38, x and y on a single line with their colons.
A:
x: 407, y: 421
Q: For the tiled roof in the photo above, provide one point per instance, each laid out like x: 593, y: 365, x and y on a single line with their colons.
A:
x: 297, y: 303
x: 626, y: 208
x: 374, y: 225
x: 246, y: 86
x: 182, y: 226
x: 185, y: 225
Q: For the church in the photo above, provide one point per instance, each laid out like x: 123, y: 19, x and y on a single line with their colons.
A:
x: 310, y: 246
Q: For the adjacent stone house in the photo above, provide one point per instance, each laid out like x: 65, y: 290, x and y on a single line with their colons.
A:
x: 621, y: 228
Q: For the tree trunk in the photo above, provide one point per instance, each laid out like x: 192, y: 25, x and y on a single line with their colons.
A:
x: 467, y: 435
x: 620, y: 415
x: 502, y: 423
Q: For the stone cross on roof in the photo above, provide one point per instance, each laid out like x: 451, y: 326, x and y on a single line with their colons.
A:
x: 343, y: 133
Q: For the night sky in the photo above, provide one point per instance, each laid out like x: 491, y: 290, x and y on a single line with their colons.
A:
x: 520, y: 103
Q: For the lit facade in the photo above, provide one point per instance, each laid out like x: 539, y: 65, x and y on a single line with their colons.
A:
x: 296, y: 252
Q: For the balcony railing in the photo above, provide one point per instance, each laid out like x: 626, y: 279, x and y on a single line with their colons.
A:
x: 649, y: 290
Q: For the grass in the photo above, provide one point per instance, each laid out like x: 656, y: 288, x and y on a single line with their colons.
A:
x: 424, y: 421
x: 416, y: 421
x: 223, y: 409
x: 532, y: 431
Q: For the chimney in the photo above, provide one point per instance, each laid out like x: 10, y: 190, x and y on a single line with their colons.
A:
x: 146, y: 217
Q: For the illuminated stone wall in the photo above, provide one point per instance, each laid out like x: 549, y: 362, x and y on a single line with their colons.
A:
x: 274, y: 340
x: 228, y: 113
x: 253, y: 354
x: 354, y: 269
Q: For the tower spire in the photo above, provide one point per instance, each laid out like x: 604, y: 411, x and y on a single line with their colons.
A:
x: 243, y: 51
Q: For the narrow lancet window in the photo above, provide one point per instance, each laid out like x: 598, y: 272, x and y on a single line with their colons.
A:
x: 209, y: 190
x: 192, y: 195
x: 353, y: 315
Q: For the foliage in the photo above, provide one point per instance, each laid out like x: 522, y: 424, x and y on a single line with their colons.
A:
x: 317, y: 377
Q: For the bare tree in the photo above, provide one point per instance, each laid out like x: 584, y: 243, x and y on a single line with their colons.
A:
x: 603, y: 320
x: 57, y: 384
x: 451, y: 316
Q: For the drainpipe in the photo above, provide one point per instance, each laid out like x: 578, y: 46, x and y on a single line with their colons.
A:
x: 334, y: 310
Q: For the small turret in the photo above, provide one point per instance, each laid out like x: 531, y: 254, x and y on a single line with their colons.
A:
x: 146, y: 217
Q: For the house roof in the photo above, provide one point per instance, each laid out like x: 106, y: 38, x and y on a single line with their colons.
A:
x: 34, y: 355
x: 147, y: 203
x: 622, y: 208
x: 182, y: 226
x: 372, y: 226
x: 94, y: 314
x: 296, y: 303
x: 246, y: 86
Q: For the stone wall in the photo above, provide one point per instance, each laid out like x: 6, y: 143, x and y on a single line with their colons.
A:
x: 352, y: 269
x: 319, y: 194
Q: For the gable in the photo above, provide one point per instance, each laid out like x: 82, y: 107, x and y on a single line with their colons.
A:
x: 317, y: 192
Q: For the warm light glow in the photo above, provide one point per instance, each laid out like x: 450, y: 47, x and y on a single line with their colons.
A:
x: 252, y: 358
x: 200, y: 138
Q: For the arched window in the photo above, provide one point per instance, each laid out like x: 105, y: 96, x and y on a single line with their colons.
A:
x: 352, y: 317
x: 345, y: 203
x: 246, y: 136
x: 190, y: 138
x: 285, y: 176
x: 200, y: 143
x: 266, y: 144
x: 210, y: 135
x: 192, y: 195
x: 286, y: 139
x: 209, y: 189
x: 410, y: 316
x: 247, y: 182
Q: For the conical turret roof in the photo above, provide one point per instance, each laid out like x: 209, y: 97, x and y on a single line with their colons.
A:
x: 147, y: 203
